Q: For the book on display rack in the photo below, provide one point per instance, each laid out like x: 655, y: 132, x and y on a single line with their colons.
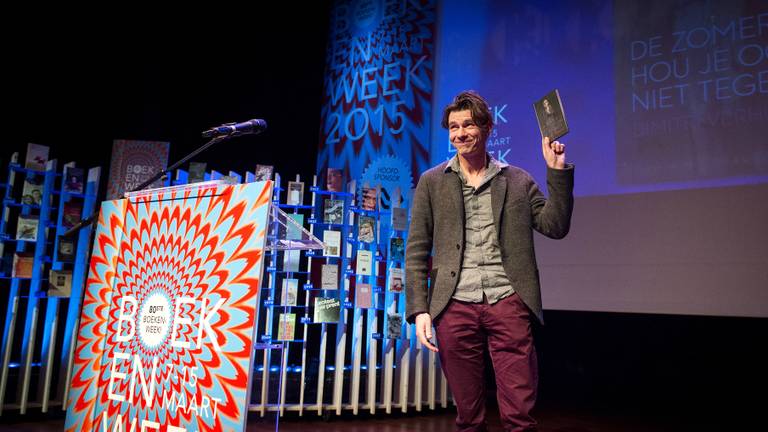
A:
x: 295, y: 193
x: 329, y: 276
x: 327, y: 310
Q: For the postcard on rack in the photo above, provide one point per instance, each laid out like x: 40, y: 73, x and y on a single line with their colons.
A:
x: 399, y: 218
x: 327, y: 310
x: 263, y: 172
x: 364, y: 262
x: 196, y: 172
x: 366, y: 226
x: 396, y: 278
x: 291, y: 260
x: 295, y: 193
x: 369, y: 197
x: 289, y: 292
x: 396, y: 249
x: 332, y: 240
x: 363, y: 296
x: 66, y: 249
x: 329, y: 277
x: 293, y: 231
x: 334, y: 181
x: 333, y: 211
x: 72, y: 213
x: 26, y: 228
x: 23, y: 263
x: 32, y: 193
x: 74, y: 180
x: 37, y: 157
x: 286, y: 326
x: 394, y: 325
x: 59, y: 283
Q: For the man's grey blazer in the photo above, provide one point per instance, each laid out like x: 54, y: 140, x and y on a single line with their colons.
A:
x: 437, y: 228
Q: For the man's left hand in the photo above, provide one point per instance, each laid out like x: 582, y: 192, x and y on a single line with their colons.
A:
x: 554, y: 153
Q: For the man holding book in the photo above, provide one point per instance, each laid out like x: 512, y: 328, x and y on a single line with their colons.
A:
x: 476, y: 216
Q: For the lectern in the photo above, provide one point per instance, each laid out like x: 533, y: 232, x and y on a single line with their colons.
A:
x: 167, y: 333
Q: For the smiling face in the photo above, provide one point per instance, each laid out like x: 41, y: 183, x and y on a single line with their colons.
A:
x: 465, y: 135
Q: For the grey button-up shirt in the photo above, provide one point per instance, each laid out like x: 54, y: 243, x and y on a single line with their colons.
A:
x: 482, y: 273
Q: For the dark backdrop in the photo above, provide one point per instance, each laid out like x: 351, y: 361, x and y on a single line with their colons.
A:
x: 75, y: 84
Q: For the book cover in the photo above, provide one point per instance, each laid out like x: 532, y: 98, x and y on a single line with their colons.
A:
x: 66, y: 249
x: 399, y: 218
x: 364, y: 262
x: 363, y: 296
x: 551, y: 116
x: 329, y: 276
x: 230, y: 179
x: 327, y: 310
x: 295, y: 193
x: 291, y: 260
x: 396, y: 278
x: 263, y: 172
x: 333, y: 211
x: 365, y: 228
x: 74, y: 180
x: 290, y: 292
x: 196, y: 172
x: 368, y: 198
x: 134, y: 162
x: 394, y: 325
x: 294, y: 232
x: 59, y: 283
x: 37, y: 157
x: 72, y: 213
x: 26, y: 228
x: 22, y: 264
x: 334, y: 180
x: 396, y: 249
x: 32, y: 193
x: 332, y: 241
x: 286, y: 326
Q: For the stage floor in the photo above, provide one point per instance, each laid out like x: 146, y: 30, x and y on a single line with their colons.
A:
x: 551, y: 419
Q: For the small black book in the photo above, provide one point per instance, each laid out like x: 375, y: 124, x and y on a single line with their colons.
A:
x: 66, y: 250
x: 551, y: 116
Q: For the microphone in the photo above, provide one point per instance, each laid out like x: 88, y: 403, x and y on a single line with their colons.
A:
x: 255, y: 126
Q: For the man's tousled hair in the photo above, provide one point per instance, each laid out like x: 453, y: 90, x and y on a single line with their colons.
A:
x: 476, y: 104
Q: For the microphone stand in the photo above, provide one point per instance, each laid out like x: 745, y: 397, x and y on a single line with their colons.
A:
x: 90, y: 219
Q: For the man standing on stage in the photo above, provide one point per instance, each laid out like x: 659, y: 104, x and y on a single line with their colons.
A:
x: 476, y: 216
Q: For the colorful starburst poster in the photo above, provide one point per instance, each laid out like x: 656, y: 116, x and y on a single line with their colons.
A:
x: 167, y: 329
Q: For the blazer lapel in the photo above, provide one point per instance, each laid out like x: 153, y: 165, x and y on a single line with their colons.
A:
x: 454, y: 198
x: 498, y: 195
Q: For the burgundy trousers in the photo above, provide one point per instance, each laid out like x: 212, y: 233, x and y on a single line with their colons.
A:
x: 464, y: 331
